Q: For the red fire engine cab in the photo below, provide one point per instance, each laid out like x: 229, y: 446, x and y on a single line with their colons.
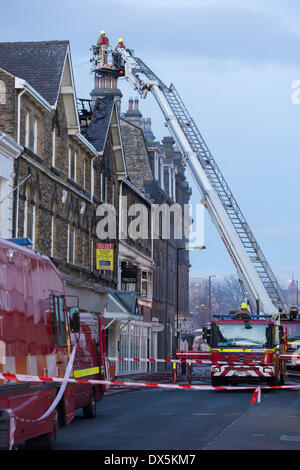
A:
x: 246, y: 349
x: 291, y: 323
x: 37, y: 336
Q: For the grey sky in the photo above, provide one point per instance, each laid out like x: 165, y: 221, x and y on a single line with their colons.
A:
x: 233, y: 63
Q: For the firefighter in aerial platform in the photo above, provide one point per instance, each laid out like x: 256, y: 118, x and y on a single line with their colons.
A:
x: 103, y: 44
x: 120, y: 44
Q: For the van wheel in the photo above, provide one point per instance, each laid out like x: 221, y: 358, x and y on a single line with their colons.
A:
x: 89, y: 411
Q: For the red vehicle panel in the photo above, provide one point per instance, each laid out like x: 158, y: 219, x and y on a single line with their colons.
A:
x: 36, y: 339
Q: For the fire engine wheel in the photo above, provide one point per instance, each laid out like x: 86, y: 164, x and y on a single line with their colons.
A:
x: 275, y: 381
x: 89, y: 411
x: 217, y: 381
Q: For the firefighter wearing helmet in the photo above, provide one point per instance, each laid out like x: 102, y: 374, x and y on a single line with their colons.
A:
x: 244, y: 312
x: 103, y: 44
x: 120, y: 44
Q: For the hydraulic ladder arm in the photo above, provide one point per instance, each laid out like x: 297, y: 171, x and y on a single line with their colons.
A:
x: 252, y: 267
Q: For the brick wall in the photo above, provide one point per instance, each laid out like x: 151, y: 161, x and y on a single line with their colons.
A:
x: 8, y: 104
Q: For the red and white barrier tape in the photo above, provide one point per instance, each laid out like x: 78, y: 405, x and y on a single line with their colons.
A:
x: 151, y: 360
x: 32, y: 378
x: 295, y: 358
x: 185, y: 361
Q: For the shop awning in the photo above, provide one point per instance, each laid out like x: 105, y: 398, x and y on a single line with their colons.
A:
x: 122, y: 306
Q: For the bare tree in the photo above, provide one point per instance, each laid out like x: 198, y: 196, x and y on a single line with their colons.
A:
x: 226, y: 296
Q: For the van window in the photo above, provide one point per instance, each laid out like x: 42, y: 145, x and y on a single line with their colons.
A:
x: 58, y: 320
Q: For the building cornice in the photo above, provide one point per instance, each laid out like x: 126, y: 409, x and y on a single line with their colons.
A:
x: 9, y: 147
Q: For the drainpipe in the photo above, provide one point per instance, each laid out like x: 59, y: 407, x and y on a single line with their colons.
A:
x: 92, y: 179
x: 16, y: 200
x: 19, y: 116
x: 16, y: 204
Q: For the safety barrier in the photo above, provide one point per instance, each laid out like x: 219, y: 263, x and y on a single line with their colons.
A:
x: 151, y: 360
x: 204, y: 358
x: 33, y: 378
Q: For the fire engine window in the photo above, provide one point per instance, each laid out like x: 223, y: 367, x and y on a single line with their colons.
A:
x: 237, y: 335
x: 293, y: 331
x: 52, y: 314
x: 58, y: 320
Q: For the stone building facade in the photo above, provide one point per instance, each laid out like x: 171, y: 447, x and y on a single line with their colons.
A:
x: 65, y: 176
x: 135, y: 254
x: 157, y: 170
x: 54, y: 204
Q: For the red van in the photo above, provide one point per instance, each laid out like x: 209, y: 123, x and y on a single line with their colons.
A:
x: 37, y: 336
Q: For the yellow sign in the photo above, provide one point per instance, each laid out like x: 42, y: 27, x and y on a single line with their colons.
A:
x: 105, y: 256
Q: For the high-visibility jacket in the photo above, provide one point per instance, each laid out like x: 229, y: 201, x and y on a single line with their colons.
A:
x: 103, y: 41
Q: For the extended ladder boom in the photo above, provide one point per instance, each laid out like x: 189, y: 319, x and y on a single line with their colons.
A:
x: 252, y: 267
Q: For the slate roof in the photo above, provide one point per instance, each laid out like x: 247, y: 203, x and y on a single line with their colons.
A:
x: 136, y: 156
x: 97, y: 131
x: 38, y: 63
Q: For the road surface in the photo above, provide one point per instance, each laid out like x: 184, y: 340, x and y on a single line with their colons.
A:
x: 155, y: 419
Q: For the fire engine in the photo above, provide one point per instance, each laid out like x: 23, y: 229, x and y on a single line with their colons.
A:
x: 37, y: 336
x: 246, y: 348
x: 291, y: 323
x: 255, y: 342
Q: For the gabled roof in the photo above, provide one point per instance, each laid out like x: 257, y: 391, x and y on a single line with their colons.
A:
x: 105, y: 117
x: 98, y: 129
x: 41, y: 64
x: 136, y: 156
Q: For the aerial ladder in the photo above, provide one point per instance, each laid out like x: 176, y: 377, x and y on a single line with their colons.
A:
x: 252, y: 267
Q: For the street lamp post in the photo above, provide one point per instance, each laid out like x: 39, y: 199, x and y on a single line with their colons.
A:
x: 297, y: 290
x: 189, y: 248
x: 209, y: 295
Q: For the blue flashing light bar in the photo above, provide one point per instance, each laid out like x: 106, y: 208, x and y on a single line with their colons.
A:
x: 253, y: 317
x: 21, y: 241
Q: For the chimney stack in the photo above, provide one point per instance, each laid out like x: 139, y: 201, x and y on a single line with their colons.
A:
x: 133, y: 114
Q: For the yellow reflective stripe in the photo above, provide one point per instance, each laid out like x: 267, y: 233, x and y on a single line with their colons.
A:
x: 242, y: 350
x: 86, y: 372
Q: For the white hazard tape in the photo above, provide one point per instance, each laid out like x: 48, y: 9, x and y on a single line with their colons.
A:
x: 31, y: 378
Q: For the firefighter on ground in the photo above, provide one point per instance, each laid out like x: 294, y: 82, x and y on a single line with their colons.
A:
x: 120, y: 44
x: 103, y: 44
